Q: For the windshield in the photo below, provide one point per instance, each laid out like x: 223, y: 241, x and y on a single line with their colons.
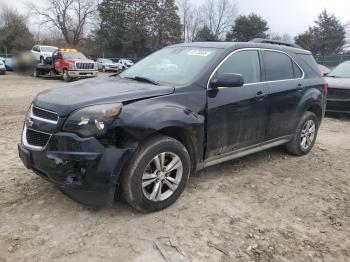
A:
x: 48, y: 49
x: 108, y: 61
x: 342, y: 71
x: 174, y: 65
x: 73, y: 55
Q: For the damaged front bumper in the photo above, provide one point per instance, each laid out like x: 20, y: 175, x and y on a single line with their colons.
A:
x: 82, y: 168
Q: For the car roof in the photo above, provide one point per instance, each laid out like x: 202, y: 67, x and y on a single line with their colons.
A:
x: 48, y: 46
x: 240, y: 45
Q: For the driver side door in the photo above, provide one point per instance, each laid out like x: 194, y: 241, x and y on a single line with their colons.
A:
x: 58, y: 61
x: 237, y: 116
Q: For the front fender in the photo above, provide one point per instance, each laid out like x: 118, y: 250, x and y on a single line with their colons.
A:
x: 141, y: 124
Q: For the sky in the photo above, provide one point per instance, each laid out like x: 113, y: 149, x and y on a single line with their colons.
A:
x: 283, y: 16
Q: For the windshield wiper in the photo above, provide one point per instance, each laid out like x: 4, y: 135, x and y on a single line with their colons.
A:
x: 143, y: 79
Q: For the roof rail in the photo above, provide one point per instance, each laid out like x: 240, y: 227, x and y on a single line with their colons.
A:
x: 274, y: 42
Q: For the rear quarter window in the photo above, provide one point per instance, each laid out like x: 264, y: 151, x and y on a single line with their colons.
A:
x: 297, y: 71
x: 310, y: 61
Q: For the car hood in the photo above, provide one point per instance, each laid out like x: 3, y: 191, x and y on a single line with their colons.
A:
x: 341, y: 83
x: 69, y: 97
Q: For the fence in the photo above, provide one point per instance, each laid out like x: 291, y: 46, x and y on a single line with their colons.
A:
x: 6, y: 55
x: 332, y: 61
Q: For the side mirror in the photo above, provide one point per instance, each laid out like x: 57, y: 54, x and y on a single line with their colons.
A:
x: 227, y: 80
x: 325, y: 74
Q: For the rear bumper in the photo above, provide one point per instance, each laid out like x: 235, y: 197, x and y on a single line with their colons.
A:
x: 338, y: 106
x: 82, y: 73
x: 83, y: 169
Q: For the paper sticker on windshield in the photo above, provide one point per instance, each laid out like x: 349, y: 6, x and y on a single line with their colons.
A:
x: 198, y: 52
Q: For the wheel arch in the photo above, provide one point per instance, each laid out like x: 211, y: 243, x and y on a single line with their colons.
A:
x: 185, y: 137
x: 312, y: 101
x: 317, y: 110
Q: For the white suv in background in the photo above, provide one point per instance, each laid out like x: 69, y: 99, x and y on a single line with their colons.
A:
x: 2, y: 67
x: 41, y: 52
x: 126, y: 63
x: 108, y: 65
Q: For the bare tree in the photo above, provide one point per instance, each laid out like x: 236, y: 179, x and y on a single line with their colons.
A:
x: 70, y: 17
x: 190, y: 19
x: 278, y: 37
x: 219, y: 16
x: 14, y: 32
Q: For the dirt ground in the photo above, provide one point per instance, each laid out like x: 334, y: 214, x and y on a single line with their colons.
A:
x: 266, y: 207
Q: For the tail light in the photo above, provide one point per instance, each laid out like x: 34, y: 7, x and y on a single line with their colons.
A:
x: 325, y: 87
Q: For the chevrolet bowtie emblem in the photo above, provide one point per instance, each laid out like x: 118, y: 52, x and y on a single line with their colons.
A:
x: 29, y: 122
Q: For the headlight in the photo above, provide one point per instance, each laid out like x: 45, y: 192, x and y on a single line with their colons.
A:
x: 92, y: 120
x: 71, y: 66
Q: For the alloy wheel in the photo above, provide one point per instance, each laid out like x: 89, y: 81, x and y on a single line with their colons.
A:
x: 162, y: 176
x: 308, y: 134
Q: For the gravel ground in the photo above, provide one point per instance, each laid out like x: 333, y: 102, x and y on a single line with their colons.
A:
x: 266, y: 207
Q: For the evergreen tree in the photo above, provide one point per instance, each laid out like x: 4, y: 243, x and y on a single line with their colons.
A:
x: 113, y: 26
x: 134, y: 28
x: 307, y: 40
x: 247, y: 28
x: 330, y: 34
x: 327, y: 37
x: 167, y: 24
x: 204, y: 34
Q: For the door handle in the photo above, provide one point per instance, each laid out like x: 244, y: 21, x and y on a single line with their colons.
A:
x: 260, y: 95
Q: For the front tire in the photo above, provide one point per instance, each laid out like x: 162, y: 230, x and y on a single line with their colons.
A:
x: 157, y: 174
x: 305, y: 136
x: 66, y: 77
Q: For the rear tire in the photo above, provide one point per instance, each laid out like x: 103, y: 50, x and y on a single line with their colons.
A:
x: 146, y: 183
x: 305, y: 136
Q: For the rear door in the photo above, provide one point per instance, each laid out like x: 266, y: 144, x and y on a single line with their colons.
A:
x: 237, y: 116
x: 284, y: 78
x: 36, y: 52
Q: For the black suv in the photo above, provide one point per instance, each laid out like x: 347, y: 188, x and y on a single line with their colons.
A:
x: 181, y: 109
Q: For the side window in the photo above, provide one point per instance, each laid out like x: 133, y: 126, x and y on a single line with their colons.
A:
x: 297, y: 72
x: 278, y: 66
x: 245, y: 63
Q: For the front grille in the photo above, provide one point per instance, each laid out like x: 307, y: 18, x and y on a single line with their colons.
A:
x: 85, y: 65
x: 334, y: 93
x: 42, y: 113
x: 35, y: 138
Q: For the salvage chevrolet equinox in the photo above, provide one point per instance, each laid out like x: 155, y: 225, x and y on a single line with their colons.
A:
x: 179, y: 110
